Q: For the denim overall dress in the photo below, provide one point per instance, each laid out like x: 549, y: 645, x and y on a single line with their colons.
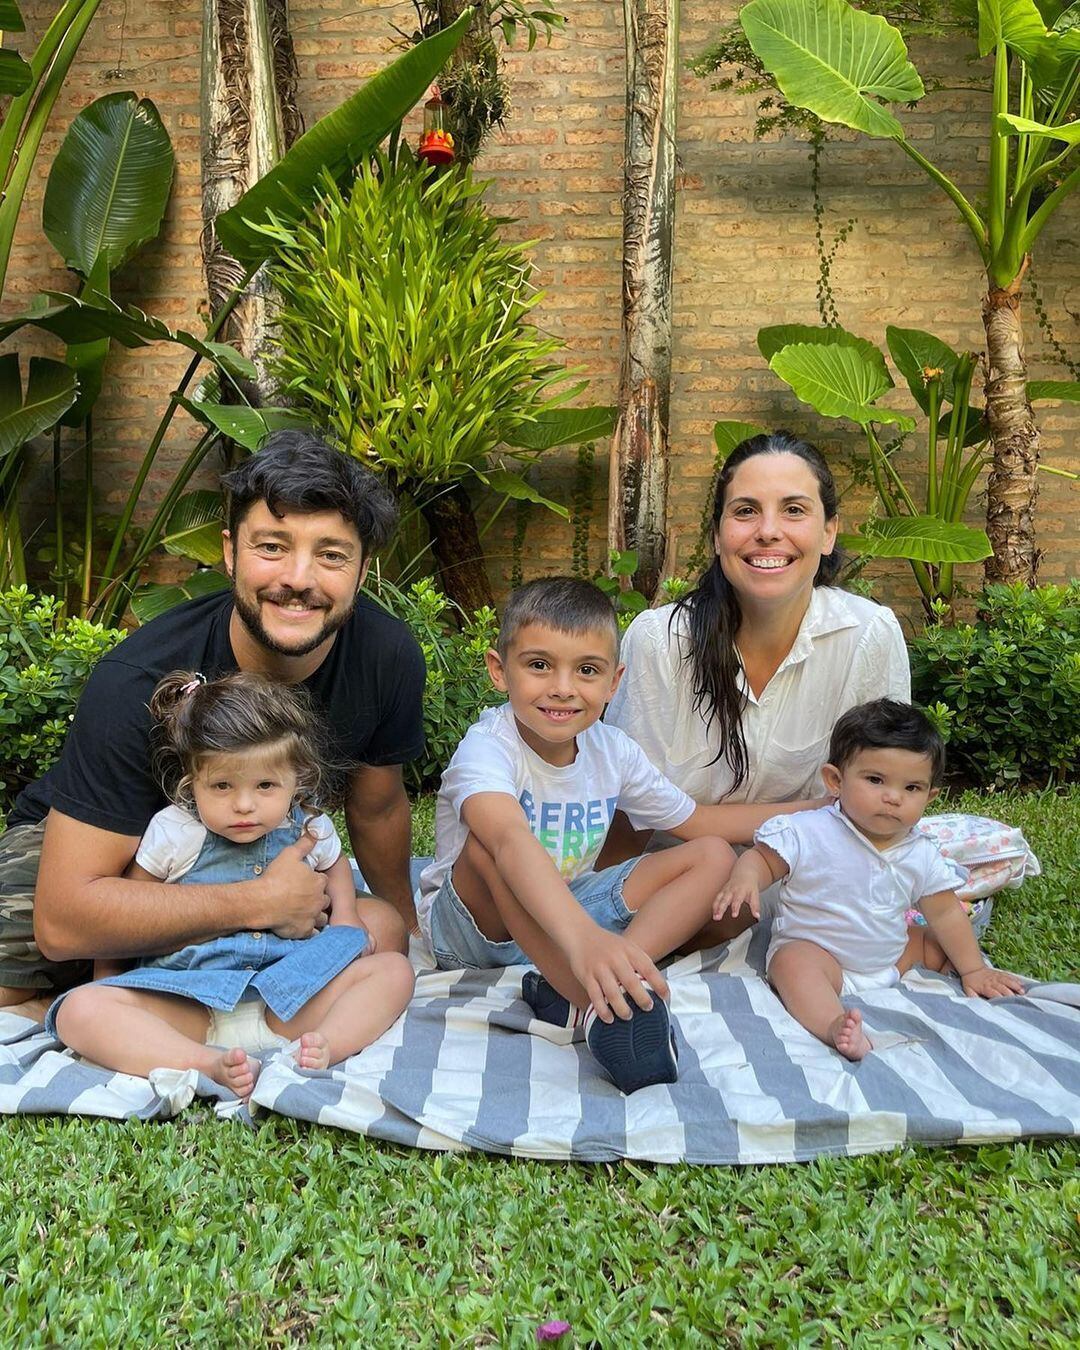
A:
x: 285, y: 973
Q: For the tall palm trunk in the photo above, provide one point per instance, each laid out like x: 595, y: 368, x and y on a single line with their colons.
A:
x: 1012, y: 489
x: 638, y: 482
x: 250, y: 119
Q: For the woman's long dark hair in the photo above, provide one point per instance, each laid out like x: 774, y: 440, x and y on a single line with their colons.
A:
x: 712, y: 607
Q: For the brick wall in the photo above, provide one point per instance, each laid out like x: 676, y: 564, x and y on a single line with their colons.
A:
x: 744, y: 242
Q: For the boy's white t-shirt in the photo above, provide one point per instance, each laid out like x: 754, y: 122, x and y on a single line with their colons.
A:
x: 569, y: 808
x: 846, y: 895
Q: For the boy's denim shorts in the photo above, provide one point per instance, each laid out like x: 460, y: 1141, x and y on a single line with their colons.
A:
x: 456, y: 941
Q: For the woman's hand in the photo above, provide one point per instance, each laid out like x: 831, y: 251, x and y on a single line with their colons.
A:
x: 738, y: 891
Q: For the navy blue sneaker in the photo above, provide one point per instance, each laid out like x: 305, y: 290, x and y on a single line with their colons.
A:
x: 638, y: 1052
x: 547, y: 1004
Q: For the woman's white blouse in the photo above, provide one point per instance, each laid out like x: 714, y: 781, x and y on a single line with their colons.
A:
x: 848, y: 650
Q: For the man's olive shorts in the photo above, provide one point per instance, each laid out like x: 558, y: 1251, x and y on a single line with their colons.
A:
x: 22, y: 966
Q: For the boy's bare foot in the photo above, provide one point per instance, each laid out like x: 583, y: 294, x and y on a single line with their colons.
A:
x: 314, y: 1051
x: 237, y: 1071
x: 848, y: 1036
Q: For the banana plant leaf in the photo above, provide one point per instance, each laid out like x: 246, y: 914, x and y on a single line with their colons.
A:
x: 15, y: 74
x: 75, y: 319
x: 781, y: 335
x: 727, y: 435
x: 839, y: 381
x: 920, y: 538
x: 154, y: 599
x: 11, y: 20
x: 914, y: 352
x: 337, y: 143
x: 512, y: 485
x: 833, y: 60
x: 1060, y: 391
x: 194, y: 527
x: 109, y: 184
x: 50, y: 390
x: 563, y: 426
x: 248, y: 427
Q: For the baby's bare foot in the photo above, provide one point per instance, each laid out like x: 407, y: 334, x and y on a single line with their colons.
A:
x: 314, y: 1051
x: 237, y: 1071
x: 848, y: 1036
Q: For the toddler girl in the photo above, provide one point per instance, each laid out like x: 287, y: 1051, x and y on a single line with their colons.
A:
x: 240, y: 761
x: 849, y: 873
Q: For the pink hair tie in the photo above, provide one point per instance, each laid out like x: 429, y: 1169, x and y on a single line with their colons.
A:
x: 192, y: 685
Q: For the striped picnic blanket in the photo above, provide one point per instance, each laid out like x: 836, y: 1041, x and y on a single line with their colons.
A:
x: 467, y: 1067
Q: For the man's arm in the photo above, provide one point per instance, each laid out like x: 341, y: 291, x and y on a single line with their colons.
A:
x: 85, y: 907
x: 380, y: 830
x: 738, y: 822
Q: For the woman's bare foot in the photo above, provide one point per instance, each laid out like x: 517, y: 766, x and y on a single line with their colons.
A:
x: 314, y: 1051
x: 237, y: 1071
x: 848, y: 1036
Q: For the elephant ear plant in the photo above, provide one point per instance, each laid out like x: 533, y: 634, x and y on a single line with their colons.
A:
x: 843, y: 376
x: 844, y: 65
x: 404, y: 329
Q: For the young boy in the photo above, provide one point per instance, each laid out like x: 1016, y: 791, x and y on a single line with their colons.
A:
x: 851, y: 871
x: 523, y: 811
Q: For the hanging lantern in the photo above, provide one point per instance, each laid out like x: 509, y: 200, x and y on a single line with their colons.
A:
x: 436, y: 143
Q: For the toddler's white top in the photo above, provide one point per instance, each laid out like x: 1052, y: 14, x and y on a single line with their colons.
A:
x: 846, y: 895
x: 568, y: 808
x: 174, y: 839
x: 847, y: 651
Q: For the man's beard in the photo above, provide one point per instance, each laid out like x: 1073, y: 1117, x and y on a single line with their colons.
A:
x: 252, y: 621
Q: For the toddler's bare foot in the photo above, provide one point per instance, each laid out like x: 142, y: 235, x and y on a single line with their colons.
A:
x: 314, y: 1052
x: 237, y: 1071
x: 848, y: 1036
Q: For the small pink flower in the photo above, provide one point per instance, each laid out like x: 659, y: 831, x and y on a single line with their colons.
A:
x: 552, y: 1331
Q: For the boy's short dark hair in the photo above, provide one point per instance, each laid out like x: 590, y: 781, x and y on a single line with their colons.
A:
x: 887, y: 724
x: 567, y: 604
x: 298, y: 471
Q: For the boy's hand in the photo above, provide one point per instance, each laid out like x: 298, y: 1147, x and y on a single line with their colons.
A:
x: 736, y: 893
x: 610, y: 968
x: 988, y: 983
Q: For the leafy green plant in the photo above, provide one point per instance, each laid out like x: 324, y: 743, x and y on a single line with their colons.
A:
x: 842, y: 65
x: 615, y: 583
x: 45, y: 660
x: 844, y: 376
x: 1006, y: 690
x: 331, y: 149
x: 457, y: 688
x: 404, y: 329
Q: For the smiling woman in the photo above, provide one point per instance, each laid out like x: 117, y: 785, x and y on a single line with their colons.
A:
x: 733, y: 691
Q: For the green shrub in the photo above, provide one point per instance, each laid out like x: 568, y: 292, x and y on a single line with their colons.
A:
x: 457, y: 688
x: 44, y: 662
x: 1006, y: 690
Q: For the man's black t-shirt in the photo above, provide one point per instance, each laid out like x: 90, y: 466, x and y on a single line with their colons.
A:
x: 368, y: 690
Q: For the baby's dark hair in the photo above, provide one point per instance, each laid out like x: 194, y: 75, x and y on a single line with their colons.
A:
x: 567, y: 604
x: 886, y: 724
x: 234, y: 714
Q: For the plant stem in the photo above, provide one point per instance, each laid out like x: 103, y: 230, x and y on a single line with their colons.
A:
x: 58, y: 509
x: 934, y: 395
x: 162, y: 428
x: 88, y: 512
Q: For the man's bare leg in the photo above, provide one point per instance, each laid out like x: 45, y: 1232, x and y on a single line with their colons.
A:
x: 808, y: 981
x: 31, y: 1003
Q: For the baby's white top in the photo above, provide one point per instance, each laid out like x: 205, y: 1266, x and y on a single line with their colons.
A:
x: 846, y: 895
x: 174, y: 839
x: 847, y: 651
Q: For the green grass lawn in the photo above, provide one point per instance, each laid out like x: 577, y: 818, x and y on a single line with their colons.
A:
x: 201, y: 1232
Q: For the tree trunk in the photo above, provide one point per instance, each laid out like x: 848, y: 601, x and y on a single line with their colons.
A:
x: 1012, y: 489
x: 250, y: 119
x: 638, y: 479
x: 472, y: 83
x: 455, y: 542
